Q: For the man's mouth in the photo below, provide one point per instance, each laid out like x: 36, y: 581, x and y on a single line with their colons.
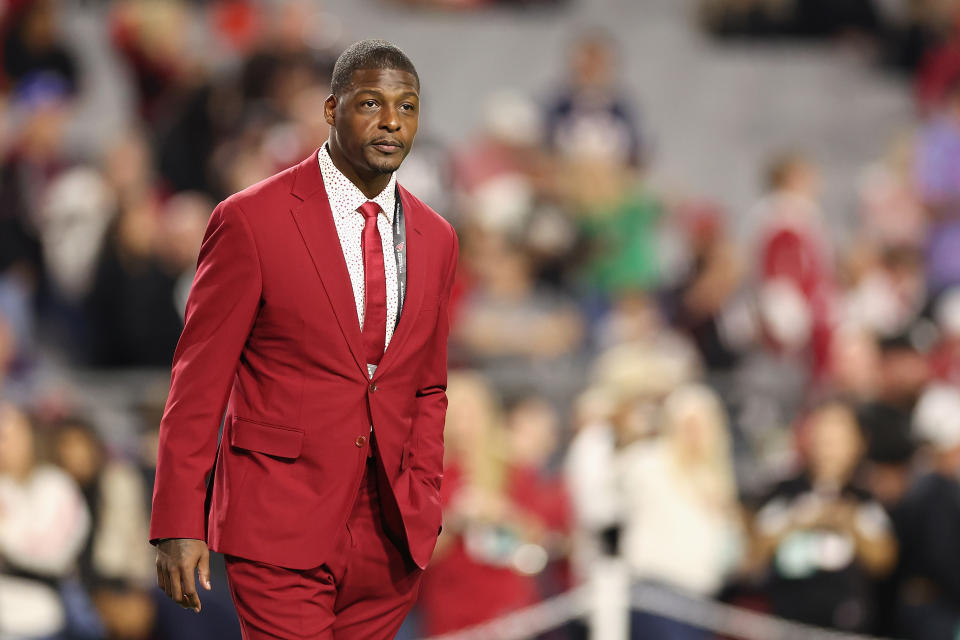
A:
x: 386, y: 146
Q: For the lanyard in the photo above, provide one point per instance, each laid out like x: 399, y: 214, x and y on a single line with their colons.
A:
x: 400, y: 253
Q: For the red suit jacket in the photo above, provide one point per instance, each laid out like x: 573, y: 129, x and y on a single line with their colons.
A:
x: 272, y: 335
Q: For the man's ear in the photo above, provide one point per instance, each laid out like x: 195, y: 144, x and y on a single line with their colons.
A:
x: 329, y: 109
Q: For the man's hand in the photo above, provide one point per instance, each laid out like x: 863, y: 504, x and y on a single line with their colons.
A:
x: 177, y: 559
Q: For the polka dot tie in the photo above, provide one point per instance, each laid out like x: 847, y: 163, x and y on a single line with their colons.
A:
x: 375, y: 286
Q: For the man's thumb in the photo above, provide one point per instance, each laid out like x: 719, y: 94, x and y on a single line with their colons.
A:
x: 204, y: 569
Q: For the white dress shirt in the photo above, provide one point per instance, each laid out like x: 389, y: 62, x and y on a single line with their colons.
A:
x: 345, y: 198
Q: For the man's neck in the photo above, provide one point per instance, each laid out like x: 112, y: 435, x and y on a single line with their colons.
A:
x: 371, y: 187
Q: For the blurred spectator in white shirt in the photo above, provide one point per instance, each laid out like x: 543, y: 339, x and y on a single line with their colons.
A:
x: 116, y: 565
x: 43, y: 525
x: 682, y: 525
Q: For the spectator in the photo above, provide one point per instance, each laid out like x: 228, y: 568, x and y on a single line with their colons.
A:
x: 73, y: 222
x: 855, y: 371
x: 32, y: 48
x: 181, y: 231
x: 620, y: 222
x: 794, y: 266
x: 823, y: 538
x: 42, y: 531
x: 591, y: 119
x: 938, y: 181
x: 945, y: 358
x: 39, y: 111
x: 682, y: 523
x: 930, y: 564
x: 890, y: 294
x: 888, y: 475
x: 607, y: 422
x: 495, y: 527
x: 704, y: 298
x: 519, y: 333
x: 498, y: 180
x: 116, y: 566
x: 153, y: 39
x: 891, y: 213
x: 132, y: 310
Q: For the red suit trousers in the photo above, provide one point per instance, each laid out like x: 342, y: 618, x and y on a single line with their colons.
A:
x: 363, y: 593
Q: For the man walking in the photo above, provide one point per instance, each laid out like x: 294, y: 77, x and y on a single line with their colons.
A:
x: 318, y: 322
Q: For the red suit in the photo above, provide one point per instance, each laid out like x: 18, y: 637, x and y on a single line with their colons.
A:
x: 271, y: 334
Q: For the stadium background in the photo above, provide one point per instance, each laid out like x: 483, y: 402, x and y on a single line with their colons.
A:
x: 705, y: 329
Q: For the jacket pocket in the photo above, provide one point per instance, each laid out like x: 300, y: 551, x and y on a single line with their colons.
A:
x: 271, y: 439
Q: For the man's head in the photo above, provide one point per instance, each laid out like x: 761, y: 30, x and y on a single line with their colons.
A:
x: 594, y: 59
x: 794, y: 172
x: 373, y: 110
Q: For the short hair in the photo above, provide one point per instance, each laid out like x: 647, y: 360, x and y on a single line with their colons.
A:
x: 368, y: 54
x: 782, y: 166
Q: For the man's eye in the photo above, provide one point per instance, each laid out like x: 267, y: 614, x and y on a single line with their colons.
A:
x: 408, y: 106
x: 369, y: 103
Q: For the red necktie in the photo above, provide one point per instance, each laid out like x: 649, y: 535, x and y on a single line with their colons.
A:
x: 375, y: 286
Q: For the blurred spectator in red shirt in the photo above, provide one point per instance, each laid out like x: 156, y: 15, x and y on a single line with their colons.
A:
x: 499, y: 529
x: 795, y: 264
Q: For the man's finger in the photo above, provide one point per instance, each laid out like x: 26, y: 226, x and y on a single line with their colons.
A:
x: 164, y: 580
x: 189, y: 587
x: 173, y: 575
x: 204, y: 568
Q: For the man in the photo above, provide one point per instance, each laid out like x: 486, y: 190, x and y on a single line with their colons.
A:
x: 325, y: 492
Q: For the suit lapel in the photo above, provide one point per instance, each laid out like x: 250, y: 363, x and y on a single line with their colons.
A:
x: 319, y: 232
x: 416, y: 270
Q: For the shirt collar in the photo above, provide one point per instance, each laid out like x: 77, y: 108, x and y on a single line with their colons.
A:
x: 345, y: 197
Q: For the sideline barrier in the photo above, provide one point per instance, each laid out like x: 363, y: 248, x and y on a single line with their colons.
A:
x: 530, y: 622
x: 728, y: 620
x: 719, y: 618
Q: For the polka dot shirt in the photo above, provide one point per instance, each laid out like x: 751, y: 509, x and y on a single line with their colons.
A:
x: 345, y: 198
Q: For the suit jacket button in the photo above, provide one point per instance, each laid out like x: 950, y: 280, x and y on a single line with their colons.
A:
x: 360, y: 441
x: 373, y: 387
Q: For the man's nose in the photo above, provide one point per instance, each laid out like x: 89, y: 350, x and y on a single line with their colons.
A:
x: 390, y: 121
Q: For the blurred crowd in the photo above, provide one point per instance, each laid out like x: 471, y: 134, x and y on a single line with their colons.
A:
x: 772, y: 420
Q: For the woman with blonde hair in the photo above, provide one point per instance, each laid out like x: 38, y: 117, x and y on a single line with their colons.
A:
x: 682, y: 524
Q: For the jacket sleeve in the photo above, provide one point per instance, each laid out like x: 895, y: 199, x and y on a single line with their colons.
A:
x: 427, y: 464
x: 221, y: 309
